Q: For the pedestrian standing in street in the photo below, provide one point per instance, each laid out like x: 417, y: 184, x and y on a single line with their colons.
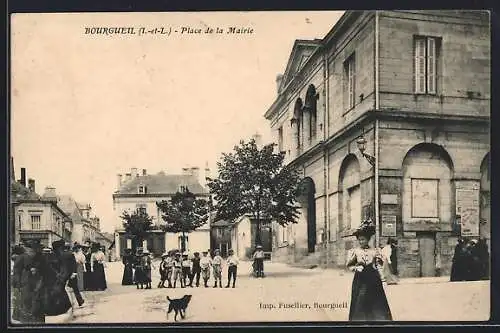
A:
x: 483, y: 254
x: 88, y: 280
x: 17, y: 250
x: 258, y: 261
x: 80, y: 265
x: 97, y: 262
x: 368, y: 299
x: 186, y: 270
x: 205, y: 266
x: 146, y: 266
x: 170, y: 267
x: 128, y: 274
x: 217, y: 268
x: 195, y: 270
x: 163, y: 270
x: 177, y: 275
x: 232, y: 268
x: 459, y: 261
x: 388, y: 255
x: 60, y: 271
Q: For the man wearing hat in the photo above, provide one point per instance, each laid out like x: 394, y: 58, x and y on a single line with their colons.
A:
x: 177, y: 269
x: 232, y: 268
x: 217, y: 268
x: 258, y: 261
x: 205, y: 265
x: 146, y: 266
x: 195, y: 270
x: 186, y: 269
x: 163, y: 269
x: 59, y: 273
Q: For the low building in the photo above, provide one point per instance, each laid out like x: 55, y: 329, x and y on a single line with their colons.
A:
x: 221, y: 236
x: 141, y: 191
x: 243, y: 237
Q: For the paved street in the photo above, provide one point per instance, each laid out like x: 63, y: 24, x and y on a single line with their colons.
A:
x: 253, y: 299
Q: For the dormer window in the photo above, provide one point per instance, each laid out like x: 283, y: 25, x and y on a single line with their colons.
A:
x: 142, y: 189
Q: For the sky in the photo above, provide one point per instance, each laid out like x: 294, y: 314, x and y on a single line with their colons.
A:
x: 87, y: 107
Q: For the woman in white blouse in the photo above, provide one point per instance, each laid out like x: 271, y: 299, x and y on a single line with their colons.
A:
x: 368, y: 299
x: 390, y: 264
x: 80, y: 265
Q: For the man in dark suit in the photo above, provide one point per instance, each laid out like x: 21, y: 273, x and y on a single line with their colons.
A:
x: 69, y: 258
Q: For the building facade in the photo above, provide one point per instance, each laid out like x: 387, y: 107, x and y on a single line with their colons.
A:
x: 244, y: 233
x: 141, y: 191
x: 415, y: 85
x: 86, y: 227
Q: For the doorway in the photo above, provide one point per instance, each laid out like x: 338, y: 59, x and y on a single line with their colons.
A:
x: 427, y: 252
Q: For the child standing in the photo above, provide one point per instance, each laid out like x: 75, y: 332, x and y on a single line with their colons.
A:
x: 217, y: 265
x: 186, y: 269
x: 177, y: 269
x: 170, y: 267
x: 205, y: 263
x: 195, y: 271
x: 232, y: 268
x: 163, y: 270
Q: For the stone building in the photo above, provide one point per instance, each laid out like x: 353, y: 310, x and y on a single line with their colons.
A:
x: 141, y: 191
x: 413, y: 89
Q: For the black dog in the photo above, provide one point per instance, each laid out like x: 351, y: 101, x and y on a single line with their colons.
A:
x: 178, y: 305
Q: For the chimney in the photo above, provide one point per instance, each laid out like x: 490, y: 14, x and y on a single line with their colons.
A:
x: 31, y: 185
x: 23, y: 176
x: 50, y: 193
x: 186, y: 171
x: 12, y: 170
x: 195, y: 171
x: 279, y: 79
x: 207, y: 175
x: 119, y: 181
x: 134, y: 173
x: 144, y: 172
x: 128, y: 176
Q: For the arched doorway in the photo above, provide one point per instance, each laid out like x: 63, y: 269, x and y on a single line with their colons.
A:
x: 427, y: 202
x: 308, y: 204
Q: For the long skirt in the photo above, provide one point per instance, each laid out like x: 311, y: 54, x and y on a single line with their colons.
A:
x: 57, y: 300
x: 368, y: 299
x: 88, y: 279
x: 79, y: 273
x: 15, y: 304
x: 128, y: 276
x: 99, y: 276
x: 390, y: 277
x: 139, y: 275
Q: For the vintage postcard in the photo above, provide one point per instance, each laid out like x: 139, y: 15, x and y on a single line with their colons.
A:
x: 244, y: 167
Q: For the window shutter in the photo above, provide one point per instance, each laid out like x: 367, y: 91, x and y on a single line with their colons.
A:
x: 350, y: 84
x: 431, y: 65
x: 420, y: 66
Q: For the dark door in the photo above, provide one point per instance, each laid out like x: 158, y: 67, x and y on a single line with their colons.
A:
x: 427, y: 251
x: 311, y: 223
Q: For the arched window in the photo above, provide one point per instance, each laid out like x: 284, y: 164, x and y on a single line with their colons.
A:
x: 349, y: 194
x: 297, y: 119
x: 311, y: 107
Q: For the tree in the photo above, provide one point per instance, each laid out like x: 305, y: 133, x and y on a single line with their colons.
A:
x: 183, y: 213
x: 137, y: 225
x: 255, y: 181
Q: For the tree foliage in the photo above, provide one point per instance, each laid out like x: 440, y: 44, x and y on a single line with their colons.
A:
x: 137, y: 224
x: 255, y: 181
x: 183, y: 212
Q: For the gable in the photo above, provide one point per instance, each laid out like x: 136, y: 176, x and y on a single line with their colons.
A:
x: 301, y: 51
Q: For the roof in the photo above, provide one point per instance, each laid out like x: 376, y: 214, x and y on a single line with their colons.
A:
x: 69, y: 206
x: 21, y: 192
x: 162, y: 184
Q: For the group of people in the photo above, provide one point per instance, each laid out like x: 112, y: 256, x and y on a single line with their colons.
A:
x: 181, y: 267
x: 48, y: 281
x: 471, y: 260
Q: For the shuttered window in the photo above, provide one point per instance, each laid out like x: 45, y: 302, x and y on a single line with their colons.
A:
x: 350, y: 82
x: 425, y: 65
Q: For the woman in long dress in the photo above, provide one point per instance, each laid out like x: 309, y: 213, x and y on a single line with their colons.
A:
x: 80, y: 265
x: 390, y: 262
x: 99, y: 277
x: 368, y: 299
x: 88, y: 281
x: 128, y: 275
x: 15, y: 290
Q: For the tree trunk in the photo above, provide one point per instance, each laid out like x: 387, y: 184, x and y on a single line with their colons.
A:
x: 183, y: 242
x: 258, y: 236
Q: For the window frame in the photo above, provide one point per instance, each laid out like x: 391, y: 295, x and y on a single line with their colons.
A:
x: 349, y: 67
x: 33, y: 216
x: 429, y: 64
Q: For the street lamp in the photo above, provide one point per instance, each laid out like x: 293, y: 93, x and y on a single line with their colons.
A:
x: 361, y: 142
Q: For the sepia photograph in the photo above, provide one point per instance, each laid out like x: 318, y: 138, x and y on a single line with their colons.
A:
x: 249, y: 167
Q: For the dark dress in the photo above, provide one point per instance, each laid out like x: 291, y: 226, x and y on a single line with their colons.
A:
x: 99, y: 275
x: 88, y: 280
x: 368, y: 299
x: 128, y: 274
x: 58, y: 274
x: 29, y: 281
x: 459, y: 263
